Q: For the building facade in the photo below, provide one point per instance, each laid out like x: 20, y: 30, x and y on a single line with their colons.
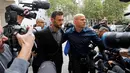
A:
x: 3, y: 4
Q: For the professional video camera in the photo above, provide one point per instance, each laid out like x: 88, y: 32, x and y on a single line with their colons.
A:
x: 116, y: 39
x: 12, y: 11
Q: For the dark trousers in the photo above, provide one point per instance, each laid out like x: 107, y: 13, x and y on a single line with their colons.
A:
x: 70, y: 64
x: 118, y: 69
x: 92, y: 67
x: 79, y: 67
x: 58, y: 65
x: 35, y: 68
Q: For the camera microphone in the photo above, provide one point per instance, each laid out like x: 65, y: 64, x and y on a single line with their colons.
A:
x: 126, y: 14
x: 124, y: 0
x: 41, y: 4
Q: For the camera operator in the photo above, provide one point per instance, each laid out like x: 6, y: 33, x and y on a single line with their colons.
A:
x: 102, y: 23
x: 115, y: 61
x: 26, y: 42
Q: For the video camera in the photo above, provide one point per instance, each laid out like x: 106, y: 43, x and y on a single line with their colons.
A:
x: 12, y: 11
x: 116, y: 39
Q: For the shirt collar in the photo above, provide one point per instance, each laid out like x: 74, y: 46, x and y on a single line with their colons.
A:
x: 53, y: 30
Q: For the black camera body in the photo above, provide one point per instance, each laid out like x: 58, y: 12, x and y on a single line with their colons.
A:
x: 12, y: 11
x: 116, y: 39
x: 12, y: 40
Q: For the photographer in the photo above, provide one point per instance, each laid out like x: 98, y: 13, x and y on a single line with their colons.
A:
x: 14, y: 16
x: 102, y: 23
x: 26, y: 41
x: 114, y: 62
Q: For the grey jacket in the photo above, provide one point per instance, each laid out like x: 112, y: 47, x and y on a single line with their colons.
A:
x: 5, y: 58
x: 18, y: 66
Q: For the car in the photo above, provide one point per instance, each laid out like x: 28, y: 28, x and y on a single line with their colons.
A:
x: 120, y: 28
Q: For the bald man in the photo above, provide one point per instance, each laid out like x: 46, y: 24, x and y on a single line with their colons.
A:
x: 79, y: 38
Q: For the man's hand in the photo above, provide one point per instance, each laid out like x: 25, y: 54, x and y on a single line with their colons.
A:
x: 124, y: 52
x: 26, y: 41
x: 34, y: 54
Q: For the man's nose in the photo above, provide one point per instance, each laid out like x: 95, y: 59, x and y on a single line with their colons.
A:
x: 4, y: 38
x: 84, y: 20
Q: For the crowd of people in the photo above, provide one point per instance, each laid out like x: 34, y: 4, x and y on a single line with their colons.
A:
x: 47, y: 54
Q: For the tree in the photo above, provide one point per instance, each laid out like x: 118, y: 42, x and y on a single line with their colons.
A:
x: 98, y: 9
x: 67, y: 6
x: 92, y: 9
x: 114, y: 9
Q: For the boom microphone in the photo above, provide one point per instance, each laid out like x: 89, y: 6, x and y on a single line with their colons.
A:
x: 41, y: 4
x: 124, y: 0
x: 126, y: 14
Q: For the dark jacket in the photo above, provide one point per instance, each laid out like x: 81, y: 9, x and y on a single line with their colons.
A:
x: 79, y: 41
x: 48, y: 48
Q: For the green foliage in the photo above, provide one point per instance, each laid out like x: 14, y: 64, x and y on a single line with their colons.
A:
x: 114, y: 9
x: 67, y: 6
x: 111, y: 9
x: 93, y: 9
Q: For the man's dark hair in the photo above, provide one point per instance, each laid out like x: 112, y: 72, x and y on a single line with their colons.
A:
x: 55, y: 13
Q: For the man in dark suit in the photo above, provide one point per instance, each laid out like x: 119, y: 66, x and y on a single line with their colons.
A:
x: 49, y: 43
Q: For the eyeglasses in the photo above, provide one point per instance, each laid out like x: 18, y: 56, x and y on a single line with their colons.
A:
x: 1, y: 35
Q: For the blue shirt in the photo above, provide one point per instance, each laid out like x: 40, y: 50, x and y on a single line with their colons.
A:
x: 79, y: 41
